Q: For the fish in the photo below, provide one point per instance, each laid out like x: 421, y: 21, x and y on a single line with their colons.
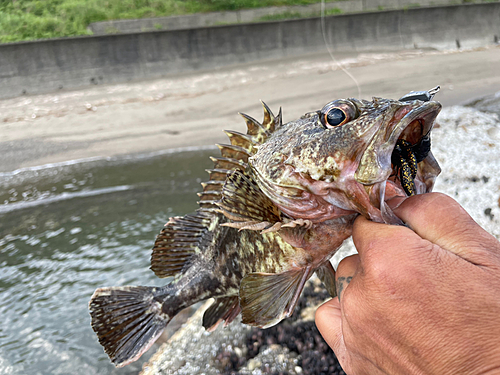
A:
x: 280, y: 201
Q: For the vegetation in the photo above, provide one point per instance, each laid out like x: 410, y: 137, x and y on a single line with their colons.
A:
x: 291, y: 15
x: 37, y: 19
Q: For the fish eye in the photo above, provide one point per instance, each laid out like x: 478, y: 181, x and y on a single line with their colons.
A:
x: 337, y: 113
x: 335, y: 117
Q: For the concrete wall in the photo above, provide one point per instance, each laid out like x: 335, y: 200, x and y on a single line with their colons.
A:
x: 44, y: 66
x: 213, y: 18
x: 254, y: 15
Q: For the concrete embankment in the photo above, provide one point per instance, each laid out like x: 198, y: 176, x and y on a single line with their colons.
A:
x: 191, y: 21
x: 51, y: 65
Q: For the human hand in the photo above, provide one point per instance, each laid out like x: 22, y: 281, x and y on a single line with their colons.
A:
x: 424, y: 300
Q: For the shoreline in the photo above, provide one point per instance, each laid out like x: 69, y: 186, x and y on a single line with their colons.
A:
x: 191, y: 110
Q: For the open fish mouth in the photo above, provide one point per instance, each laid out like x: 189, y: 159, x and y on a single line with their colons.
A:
x: 413, y: 145
x: 398, y: 156
x: 399, y: 161
x: 411, y: 149
x: 405, y: 159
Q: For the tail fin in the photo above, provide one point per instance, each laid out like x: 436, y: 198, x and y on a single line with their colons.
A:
x: 127, y: 321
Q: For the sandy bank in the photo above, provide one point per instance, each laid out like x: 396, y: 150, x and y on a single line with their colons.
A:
x: 192, y: 110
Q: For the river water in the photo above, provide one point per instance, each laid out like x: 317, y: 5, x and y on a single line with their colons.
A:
x: 67, y: 230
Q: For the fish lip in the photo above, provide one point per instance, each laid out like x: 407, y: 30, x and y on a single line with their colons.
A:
x: 375, y: 164
x: 425, y: 113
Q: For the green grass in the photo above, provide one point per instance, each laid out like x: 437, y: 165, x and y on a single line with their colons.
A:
x: 281, y: 16
x: 37, y: 19
x: 291, y: 15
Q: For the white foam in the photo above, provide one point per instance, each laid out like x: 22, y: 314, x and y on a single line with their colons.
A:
x: 62, y: 197
x: 106, y: 159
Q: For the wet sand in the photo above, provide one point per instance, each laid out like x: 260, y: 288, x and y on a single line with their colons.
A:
x: 192, y: 110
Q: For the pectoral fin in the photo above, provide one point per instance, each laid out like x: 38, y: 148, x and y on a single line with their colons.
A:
x: 267, y: 298
x: 244, y: 203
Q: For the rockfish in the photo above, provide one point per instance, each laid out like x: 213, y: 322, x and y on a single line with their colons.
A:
x: 280, y: 201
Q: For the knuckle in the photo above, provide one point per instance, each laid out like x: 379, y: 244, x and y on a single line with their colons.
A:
x: 395, y: 273
x: 431, y: 202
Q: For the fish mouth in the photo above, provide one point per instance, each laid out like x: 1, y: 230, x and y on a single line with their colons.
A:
x: 409, y: 167
x: 398, y: 161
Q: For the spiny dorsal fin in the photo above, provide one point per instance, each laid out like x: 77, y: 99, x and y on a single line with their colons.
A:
x: 260, y: 132
x: 243, y: 201
x: 217, y: 174
x: 209, y: 195
x: 270, y: 122
x: 226, y: 308
x: 179, y: 240
x: 268, y: 298
x: 255, y: 129
x: 212, y: 185
x: 212, y: 190
x: 235, y: 156
x: 242, y: 140
x: 234, y: 152
x: 228, y: 163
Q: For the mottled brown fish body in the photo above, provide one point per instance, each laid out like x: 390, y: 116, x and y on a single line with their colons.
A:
x: 280, y: 201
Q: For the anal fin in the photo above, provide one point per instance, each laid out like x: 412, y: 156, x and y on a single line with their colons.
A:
x: 223, y: 309
x: 268, y: 298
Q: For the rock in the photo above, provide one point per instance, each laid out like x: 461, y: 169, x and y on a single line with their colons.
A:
x: 489, y: 103
x: 274, y: 359
x: 469, y: 159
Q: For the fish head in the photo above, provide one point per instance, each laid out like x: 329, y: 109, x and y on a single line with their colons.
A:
x: 349, y: 157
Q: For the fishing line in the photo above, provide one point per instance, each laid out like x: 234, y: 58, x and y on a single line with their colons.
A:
x: 331, y: 53
x: 400, y: 34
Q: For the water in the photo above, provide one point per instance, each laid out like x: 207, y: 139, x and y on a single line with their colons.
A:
x: 67, y: 230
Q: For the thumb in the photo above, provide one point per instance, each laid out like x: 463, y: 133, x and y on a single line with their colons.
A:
x: 329, y: 322
x: 441, y: 220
